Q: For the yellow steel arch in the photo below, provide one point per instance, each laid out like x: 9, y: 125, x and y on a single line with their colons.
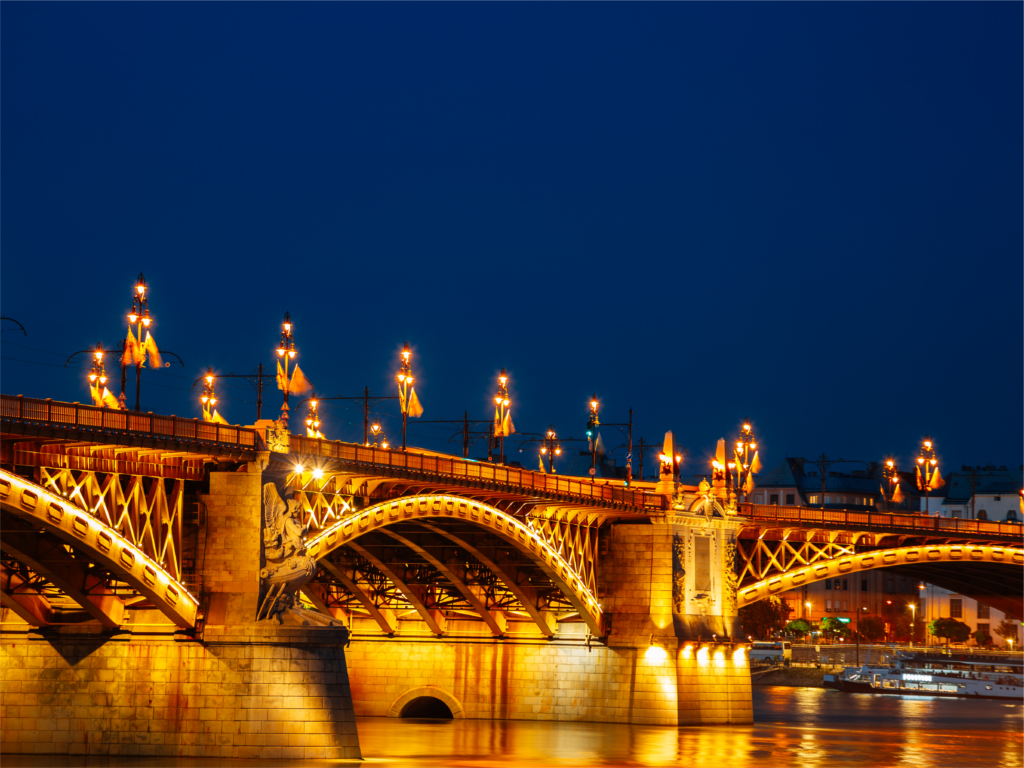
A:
x: 528, y: 541
x: 882, y: 558
x: 99, y: 541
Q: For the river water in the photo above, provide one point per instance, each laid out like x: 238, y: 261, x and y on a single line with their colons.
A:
x: 803, y: 727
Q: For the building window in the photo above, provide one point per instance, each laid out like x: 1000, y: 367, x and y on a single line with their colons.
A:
x: 791, y: 498
x: 956, y: 608
x: 759, y: 498
x: 846, y: 585
x: 863, y: 585
x: 845, y: 604
x: 1011, y: 516
x: 773, y: 498
x: 828, y: 583
x: 983, y: 611
x: 983, y: 627
x: 828, y: 499
x: 828, y: 605
x: 982, y: 514
x: 812, y: 499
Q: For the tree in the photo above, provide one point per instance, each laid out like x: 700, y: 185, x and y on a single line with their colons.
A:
x: 951, y: 629
x: 799, y: 627
x: 765, y: 617
x: 833, y: 627
x: 872, y: 628
x: 1007, y: 630
x: 981, y: 637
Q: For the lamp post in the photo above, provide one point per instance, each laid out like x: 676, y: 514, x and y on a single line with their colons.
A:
x: 404, y: 382
x: 593, y: 422
x: 255, y: 379
x: 859, y: 612
x: 891, y: 474
x: 746, y: 460
x: 285, y: 352
x: 208, y: 398
x: 551, y: 448
x: 913, y: 622
x: 928, y: 476
x: 313, y: 418
x: 627, y: 431
x: 501, y: 413
x: 375, y: 431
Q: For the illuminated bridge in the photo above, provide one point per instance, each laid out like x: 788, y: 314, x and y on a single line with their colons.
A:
x: 486, y: 590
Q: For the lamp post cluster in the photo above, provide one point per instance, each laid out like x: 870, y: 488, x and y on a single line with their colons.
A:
x: 551, y: 448
x: 745, y: 462
x: 502, y: 414
x: 209, y: 397
x: 405, y: 379
x: 928, y: 477
x: 285, y: 353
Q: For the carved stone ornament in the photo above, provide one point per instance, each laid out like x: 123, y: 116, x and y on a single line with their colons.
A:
x: 288, y: 567
x: 278, y: 438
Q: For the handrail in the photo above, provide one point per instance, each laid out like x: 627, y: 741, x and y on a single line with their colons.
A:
x: 49, y: 411
x: 462, y: 468
x: 889, y: 521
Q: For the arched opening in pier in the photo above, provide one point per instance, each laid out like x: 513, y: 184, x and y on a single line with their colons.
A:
x: 427, y: 707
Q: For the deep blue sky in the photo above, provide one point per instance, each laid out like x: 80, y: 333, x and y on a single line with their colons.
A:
x: 806, y: 213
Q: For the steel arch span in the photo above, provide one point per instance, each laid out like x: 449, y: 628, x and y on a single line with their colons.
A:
x: 922, y: 555
x: 435, y: 508
x: 38, y: 509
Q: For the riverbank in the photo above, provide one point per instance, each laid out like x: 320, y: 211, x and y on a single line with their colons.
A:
x: 790, y: 677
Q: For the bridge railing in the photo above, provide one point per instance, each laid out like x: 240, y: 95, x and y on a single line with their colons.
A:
x: 461, y: 468
x: 57, y: 413
x: 841, y: 518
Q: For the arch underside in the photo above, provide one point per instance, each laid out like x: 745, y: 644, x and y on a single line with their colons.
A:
x: 60, y: 564
x: 992, y: 574
x: 415, y: 564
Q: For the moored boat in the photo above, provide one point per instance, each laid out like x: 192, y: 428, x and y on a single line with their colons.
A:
x: 916, y: 673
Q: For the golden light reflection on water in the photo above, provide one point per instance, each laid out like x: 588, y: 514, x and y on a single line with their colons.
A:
x: 795, y: 726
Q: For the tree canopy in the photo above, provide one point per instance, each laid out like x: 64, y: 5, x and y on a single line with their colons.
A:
x: 1007, y: 630
x: 950, y: 629
x: 872, y: 628
x: 834, y: 627
x: 799, y: 627
x: 763, y: 618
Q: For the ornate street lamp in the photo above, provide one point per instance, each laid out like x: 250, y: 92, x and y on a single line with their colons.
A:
x: 593, y: 422
x: 375, y: 429
x: 408, y: 401
x: 313, y: 418
x: 285, y: 354
x: 928, y: 477
x: 502, y: 414
x: 745, y: 462
x: 209, y: 397
x: 891, y: 474
x: 551, y: 449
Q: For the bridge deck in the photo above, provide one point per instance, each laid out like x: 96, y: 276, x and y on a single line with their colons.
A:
x: 764, y: 515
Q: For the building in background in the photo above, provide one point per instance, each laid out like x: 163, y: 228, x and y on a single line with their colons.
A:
x: 797, y: 482
x: 983, y: 493
x: 937, y: 602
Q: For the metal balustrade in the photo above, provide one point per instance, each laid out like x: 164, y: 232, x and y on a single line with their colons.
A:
x: 805, y: 517
x: 76, y: 415
x: 461, y: 468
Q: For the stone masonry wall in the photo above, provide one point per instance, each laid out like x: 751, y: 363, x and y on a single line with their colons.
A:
x: 275, y: 695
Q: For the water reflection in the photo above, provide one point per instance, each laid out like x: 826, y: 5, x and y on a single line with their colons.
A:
x: 794, y: 726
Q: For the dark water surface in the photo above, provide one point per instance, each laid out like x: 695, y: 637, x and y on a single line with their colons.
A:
x: 802, y: 727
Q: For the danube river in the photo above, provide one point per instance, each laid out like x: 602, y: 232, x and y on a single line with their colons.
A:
x: 795, y: 726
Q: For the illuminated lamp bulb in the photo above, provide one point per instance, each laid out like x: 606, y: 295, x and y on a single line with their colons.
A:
x: 558, y: 451
x: 318, y: 473
x: 920, y: 460
x: 298, y: 469
x: 92, y: 377
x: 753, y: 446
x: 678, y: 458
x: 507, y: 402
x: 291, y: 353
x: 213, y: 401
x: 309, y: 422
x: 739, y: 446
x: 133, y: 318
x: 543, y: 450
x: 655, y: 654
x: 204, y: 399
x: 280, y: 351
x: 384, y: 444
x: 497, y: 399
x: 103, y: 379
x: 146, y: 319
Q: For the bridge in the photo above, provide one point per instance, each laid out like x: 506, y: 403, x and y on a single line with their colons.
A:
x: 492, y: 590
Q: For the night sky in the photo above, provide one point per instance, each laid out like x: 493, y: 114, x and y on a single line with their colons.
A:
x: 809, y: 214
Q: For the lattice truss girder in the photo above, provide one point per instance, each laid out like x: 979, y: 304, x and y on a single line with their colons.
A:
x: 779, y: 550
x: 148, y: 511
x: 573, y: 533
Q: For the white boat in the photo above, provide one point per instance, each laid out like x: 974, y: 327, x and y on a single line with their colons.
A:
x: 854, y: 679
x: 913, y: 673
